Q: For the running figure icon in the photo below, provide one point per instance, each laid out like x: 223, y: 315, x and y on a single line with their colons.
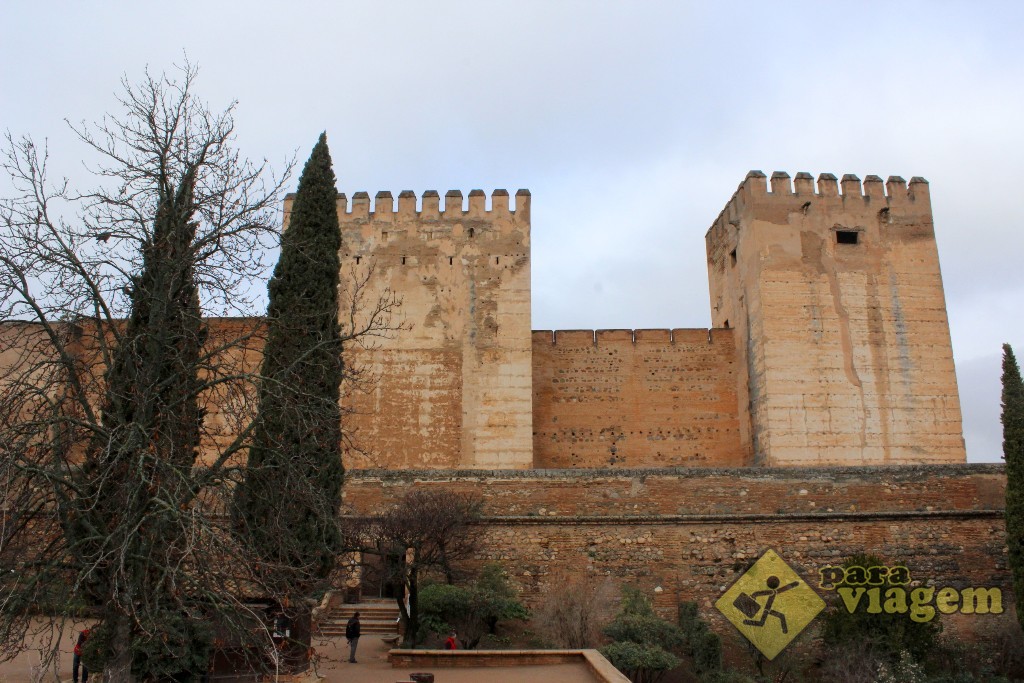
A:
x: 749, y: 605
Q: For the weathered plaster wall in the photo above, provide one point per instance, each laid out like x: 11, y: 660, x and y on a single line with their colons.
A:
x: 692, y: 531
x: 453, y: 387
x: 843, y: 349
x: 643, y: 398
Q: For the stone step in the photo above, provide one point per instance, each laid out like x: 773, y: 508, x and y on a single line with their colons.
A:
x: 378, y: 612
x: 377, y: 630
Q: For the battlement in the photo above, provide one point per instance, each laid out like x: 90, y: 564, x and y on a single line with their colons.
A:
x: 427, y: 206
x: 849, y: 195
x: 578, y: 338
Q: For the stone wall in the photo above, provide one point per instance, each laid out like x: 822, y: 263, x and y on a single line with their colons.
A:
x: 452, y: 388
x: 842, y: 336
x: 643, y: 398
x: 687, y: 534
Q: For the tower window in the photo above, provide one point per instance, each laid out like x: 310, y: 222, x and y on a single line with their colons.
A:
x: 358, y: 258
x: 403, y: 260
x: 732, y: 257
x: 847, y: 236
x: 471, y: 232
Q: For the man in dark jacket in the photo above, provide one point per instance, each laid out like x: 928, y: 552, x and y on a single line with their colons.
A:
x: 352, y: 634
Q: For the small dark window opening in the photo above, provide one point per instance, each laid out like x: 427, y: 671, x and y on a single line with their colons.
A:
x: 403, y: 260
x: 358, y: 259
x: 451, y: 260
x: 726, y: 324
x: 496, y: 260
x: 847, y: 236
x: 732, y: 257
x: 471, y: 232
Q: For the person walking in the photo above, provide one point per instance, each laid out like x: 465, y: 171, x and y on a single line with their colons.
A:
x: 352, y: 634
x: 76, y: 661
x: 452, y: 643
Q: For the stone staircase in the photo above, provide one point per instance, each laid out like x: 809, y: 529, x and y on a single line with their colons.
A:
x: 376, y: 617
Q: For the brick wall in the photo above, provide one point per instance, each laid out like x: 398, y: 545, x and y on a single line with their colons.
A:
x: 690, y: 532
x: 643, y: 398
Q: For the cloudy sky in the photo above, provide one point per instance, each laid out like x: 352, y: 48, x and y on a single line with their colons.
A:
x: 630, y: 122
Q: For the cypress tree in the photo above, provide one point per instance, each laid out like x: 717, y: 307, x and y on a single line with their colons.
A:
x: 288, y: 502
x: 1013, y: 452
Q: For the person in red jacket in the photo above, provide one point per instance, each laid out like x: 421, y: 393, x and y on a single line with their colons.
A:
x: 451, y: 643
x: 76, y: 661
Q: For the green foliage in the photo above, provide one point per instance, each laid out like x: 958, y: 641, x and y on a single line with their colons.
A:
x: 178, y: 651
x: 642, y: 639
x: 1013, y: 452
x: 642, y: 663
x: 441, y: 605
x: 472, y: 611
x: 290, y: 497
x: 884, y: 635
x: 702, y: 645
x: 649, y: 629
x: 636, y: 622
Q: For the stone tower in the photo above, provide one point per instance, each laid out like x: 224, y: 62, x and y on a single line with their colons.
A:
x: 453, y: 389
x: 840, y: 318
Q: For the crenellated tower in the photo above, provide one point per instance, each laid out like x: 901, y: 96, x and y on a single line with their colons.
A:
x: 453, y: 388
x: 842, y: 338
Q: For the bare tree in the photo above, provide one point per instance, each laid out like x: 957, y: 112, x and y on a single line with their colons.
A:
x: 575, y: 609
x: 129, y: 357
x: 427, y: 530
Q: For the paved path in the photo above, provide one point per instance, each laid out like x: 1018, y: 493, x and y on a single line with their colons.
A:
x: 372, y: 666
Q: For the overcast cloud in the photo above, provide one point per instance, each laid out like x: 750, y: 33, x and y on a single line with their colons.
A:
x: 630, y: 122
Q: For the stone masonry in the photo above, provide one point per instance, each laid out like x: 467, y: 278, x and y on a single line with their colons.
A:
x: 840, y: 318
x: 830, y: 343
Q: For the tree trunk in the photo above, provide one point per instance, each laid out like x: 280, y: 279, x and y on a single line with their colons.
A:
x: 412, y: 623
x: 118, y: 668
x: 296, y: 651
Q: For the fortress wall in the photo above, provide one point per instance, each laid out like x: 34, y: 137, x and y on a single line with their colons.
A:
x: 842, y: 334
x: 643, y: 398
x: 691, y: 532
x: 452, y: 388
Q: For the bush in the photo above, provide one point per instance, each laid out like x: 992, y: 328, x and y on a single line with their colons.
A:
x: 642, y: 639
x: 642, y: 663
x: 702, y: 645
x: 573, y: 611
x: 885, y: 635
x: 472, y: 611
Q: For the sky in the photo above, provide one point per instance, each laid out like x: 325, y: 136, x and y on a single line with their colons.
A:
x: 630, y: 122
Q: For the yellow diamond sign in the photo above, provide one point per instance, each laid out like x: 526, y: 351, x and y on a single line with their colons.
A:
x: 770, y: 604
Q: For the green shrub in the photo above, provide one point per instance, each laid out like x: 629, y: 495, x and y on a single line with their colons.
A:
x: 642, y: 639
x: 702, y: 645
x: 642, y: 663
x: 885, y: 635
x: 472, y: 611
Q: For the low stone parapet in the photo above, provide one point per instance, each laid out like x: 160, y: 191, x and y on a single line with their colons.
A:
x: 600, y: 667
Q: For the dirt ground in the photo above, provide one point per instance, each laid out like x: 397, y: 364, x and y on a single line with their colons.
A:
x: 372, y: 666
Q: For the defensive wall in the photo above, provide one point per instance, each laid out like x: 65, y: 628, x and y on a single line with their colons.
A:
x: 840, y: 318
x: 451, y: 388
x: 687, y: 533
x: 830, y: 342
x: 635, y: 398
